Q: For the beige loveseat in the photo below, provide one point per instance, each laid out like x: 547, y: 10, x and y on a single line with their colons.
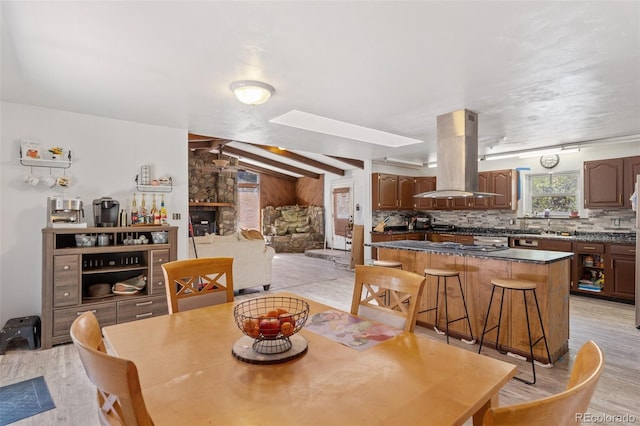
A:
x: 251, y: 258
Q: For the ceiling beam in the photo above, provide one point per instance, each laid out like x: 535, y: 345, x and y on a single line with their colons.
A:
x: 355, y: 163
x: 302, y: 159
x: 205, y: 142
x: 264, y: 171
x: 268, y: 161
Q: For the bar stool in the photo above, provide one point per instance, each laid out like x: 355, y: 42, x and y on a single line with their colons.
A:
x: 444, y: 274
x: 388, y: 263
x: 524, y: 286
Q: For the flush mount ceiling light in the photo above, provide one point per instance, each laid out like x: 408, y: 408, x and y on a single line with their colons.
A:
x: 252, y: 92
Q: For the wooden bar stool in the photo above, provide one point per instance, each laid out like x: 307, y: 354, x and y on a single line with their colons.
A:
x: 444, y: 274
x: 524, y: 286
x: 388, y: 263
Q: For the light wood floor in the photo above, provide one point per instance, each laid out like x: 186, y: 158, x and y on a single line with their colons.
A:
x: 609, y: 324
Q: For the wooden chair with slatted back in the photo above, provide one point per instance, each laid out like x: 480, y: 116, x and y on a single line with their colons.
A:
x: 120, y: 400
x: 195, y: 283
x: 391, y: 295
x: 565, y: 408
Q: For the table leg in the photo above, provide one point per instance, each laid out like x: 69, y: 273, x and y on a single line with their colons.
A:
x: 479, y: 415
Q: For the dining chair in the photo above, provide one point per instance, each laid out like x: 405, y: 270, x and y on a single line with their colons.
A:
x: 195, y: 283
x: 391, y: 295
x: 565, y: 408
x: 120, y: 400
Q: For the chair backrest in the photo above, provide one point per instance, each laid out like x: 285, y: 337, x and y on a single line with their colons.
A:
x: 564, y: 408
x: 195, y: 283
x: 392, y: 295
x: 120, y: 400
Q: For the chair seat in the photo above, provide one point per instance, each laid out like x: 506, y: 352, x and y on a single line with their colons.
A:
x: 514, y: 284
x: 388, y: 263
x: 441, y: 272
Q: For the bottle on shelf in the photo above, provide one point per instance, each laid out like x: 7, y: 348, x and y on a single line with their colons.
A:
x: 154, y: 214
x: 163, y: 211
x: 134, y: 211
x: 142, y: 216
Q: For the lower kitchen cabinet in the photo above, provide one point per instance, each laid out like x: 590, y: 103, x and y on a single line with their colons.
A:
x: 379, y: 238
x: 623, y: 267
x: 69, y: 271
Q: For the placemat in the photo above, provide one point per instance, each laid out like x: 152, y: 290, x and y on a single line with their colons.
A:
x: 349, y: 330
x: 24, y: 399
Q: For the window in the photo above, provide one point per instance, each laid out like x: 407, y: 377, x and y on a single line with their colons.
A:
x: 558, y: 192
x: 248, y: 200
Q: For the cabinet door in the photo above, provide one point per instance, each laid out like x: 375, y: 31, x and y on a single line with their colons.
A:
x: 483, y: 186
x: 460, y: 203
x: 384, y: 191
x: 405, y: 192
x: 603, y: 183
x: 424, y: 184
x: 502, y: 183
x: 631, y: 171
x: 378, y: 238
x: 624, y: 277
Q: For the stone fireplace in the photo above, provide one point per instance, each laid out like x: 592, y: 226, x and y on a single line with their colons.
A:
x: 294, y: 229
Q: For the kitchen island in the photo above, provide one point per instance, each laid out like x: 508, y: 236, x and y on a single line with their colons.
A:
x: 550, y: 270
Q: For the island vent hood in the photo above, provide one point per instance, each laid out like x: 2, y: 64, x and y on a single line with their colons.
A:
x: 457, y: 174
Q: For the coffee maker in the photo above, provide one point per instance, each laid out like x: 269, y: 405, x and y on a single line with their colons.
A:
x: 423, y: 222
x: 105, y: 212
x: 63, y: 211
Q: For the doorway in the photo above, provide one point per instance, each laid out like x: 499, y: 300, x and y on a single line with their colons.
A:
x: 342, y: 215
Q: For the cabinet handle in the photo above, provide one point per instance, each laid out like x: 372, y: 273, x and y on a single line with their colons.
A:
x: 588, y: 248
x: 80, y: 313
x: 148, y: 314
x: 160, y: 260
x: 148, y: 302
x: 160, y: 284
x: 66, y: 267
x: 66, y: 293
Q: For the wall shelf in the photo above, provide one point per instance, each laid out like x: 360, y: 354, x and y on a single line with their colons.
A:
x: 204, y: 204
x: 167, y: 187
x: 52, y: 164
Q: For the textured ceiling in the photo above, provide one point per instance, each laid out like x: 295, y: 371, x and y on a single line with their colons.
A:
x: 537, y: 73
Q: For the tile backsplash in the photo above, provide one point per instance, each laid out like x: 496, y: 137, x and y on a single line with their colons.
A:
x: 598, y: 220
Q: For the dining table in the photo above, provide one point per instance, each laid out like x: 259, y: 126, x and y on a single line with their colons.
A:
x: 189, y: 376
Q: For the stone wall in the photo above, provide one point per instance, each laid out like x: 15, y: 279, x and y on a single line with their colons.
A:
x: 294, y: 229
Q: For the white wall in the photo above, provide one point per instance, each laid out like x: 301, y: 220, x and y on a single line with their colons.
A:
x: 106, y: 157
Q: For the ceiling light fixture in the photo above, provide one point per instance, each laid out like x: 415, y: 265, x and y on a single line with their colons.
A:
x: 252, y: 92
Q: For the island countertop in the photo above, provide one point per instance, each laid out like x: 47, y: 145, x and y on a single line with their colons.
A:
x: 510, y: 254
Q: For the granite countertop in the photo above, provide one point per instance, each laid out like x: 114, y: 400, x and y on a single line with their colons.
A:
x: 592, y: 237
x: 515, y: 255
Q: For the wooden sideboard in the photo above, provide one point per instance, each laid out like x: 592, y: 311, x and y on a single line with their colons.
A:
x: 68, y: 271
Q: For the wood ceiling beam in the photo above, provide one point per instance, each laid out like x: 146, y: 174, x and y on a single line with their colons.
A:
x: 270, y: 162
x: 353, y: 162
x: 205, y: 142
x: 302, y: 159
x: 264, y: 171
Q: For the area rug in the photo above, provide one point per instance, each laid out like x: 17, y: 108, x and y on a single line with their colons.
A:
x: 24, y: 399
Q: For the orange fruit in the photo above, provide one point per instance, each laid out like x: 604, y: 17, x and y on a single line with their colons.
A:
x: 281, y: 311
x: 273, y: 314
x: 286, y: 328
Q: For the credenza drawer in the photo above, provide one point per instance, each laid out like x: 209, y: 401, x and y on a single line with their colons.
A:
x: 66, y: 279
x: 141, y: 308
x: 63, y: 318
x: 590, y: 247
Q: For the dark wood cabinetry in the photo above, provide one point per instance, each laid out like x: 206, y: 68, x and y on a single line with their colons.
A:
x: 451, y: 238
x: 610, y: 183
x: 379, y: 238
x: 405, y: 192
x: 424, y: 184
x: 391, y: 191
x: 623, y: 267
x: 503, y: 182
x: 70, y: 271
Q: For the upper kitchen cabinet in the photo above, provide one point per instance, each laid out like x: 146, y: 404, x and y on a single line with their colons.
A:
x: 420, y: 185
x: 391, y: 191
x: 609, y: 183
x: 503, y: 182
x: 631, y: 168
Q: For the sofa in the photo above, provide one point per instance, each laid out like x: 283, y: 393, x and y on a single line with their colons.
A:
x: 251, y: 257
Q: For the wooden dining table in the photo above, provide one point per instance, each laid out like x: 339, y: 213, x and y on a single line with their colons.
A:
x: 189, y: 376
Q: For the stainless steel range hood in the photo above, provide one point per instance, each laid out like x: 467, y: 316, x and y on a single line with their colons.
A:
x: 457, y: 174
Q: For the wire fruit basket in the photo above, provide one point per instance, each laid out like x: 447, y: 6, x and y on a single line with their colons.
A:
x: 271, y: 321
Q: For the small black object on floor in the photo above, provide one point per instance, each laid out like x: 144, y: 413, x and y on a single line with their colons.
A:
x: 27, y: 328
x: 24, y: 399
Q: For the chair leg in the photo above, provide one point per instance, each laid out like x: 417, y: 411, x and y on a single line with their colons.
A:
x: 486, y: 320
x: 446, y: 308
x: 498, y: 346
x: 466, y: 315
x: 533, y: 366
x: 435, y: 326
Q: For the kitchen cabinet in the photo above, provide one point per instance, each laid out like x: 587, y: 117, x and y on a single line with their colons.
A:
x: 623, y: 271
x: 424, y: 184
x: 69, y: 271
x: 391, y: 191
x: 450, y: 238
x: 590, y: 275
x: 610, y: 183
